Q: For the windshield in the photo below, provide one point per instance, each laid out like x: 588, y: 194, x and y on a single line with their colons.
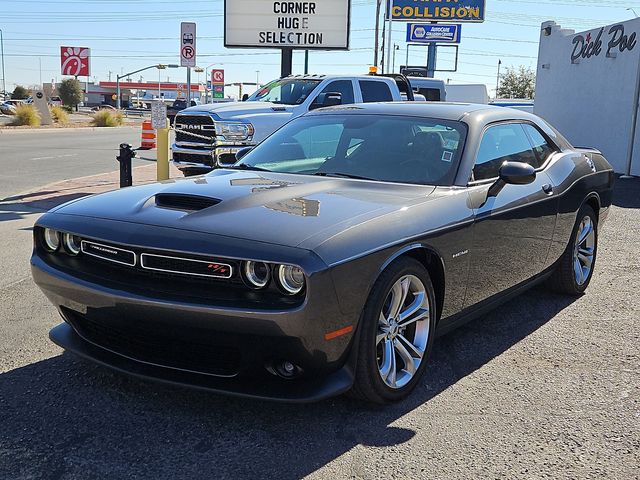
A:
x: 287, y: 91
x: 385, y: 148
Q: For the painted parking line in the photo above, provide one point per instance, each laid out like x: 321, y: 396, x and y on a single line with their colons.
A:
x: 55, y: 156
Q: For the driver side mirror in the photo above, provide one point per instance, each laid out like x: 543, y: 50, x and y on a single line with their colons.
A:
x: 242, y: 152
x: 329, y: 99
x: 245, y: 97
x: 513, y: 173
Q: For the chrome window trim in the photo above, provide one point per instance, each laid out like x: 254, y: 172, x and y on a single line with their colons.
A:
x: 143, y: 255
x: 82, y: 243
x: 547, y: 162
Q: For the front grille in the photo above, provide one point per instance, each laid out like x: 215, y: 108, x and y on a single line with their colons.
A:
x: 192, y: 203
x: 193, y: 158
x: 195, y: 129
x: 148, y: 343
x: 186, y: 266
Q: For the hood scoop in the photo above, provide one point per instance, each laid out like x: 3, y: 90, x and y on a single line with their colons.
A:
x: 186, y: 202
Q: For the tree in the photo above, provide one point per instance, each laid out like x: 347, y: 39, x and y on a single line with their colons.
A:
x: 70, y: 92
x: 517, y: 83
x: 19, y: 93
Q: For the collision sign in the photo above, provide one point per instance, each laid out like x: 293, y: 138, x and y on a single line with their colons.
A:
x: 437, y: 10
x: 319, y: 24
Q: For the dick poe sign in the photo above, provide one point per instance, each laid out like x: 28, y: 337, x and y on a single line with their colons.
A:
x: 319, y: 24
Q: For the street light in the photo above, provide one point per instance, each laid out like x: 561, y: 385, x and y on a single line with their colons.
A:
x: 159, y: 66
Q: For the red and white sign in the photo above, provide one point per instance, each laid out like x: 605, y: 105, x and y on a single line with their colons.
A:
x: 187, y: 44
x: 75, y: 61
x: 217, y: 77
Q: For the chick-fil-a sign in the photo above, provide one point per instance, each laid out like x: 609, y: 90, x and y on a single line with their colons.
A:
x: 75, y: 61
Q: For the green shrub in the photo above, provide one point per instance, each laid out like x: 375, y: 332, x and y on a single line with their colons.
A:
x: 107, y: 118
x: 26, y: 115
x: 59, y: 115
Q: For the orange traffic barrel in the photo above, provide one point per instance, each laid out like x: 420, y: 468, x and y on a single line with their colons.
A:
x: 148, y: 136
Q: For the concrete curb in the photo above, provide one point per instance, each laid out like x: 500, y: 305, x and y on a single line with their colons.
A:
x: 10, y: 131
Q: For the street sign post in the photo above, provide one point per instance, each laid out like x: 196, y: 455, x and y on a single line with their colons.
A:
x: 187, y: 44
x: 433, y: 33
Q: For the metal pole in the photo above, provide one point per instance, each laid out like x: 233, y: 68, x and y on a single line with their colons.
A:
x: 4, y: 80
x: 188, y: 87
x: 431, y: 59
x: 406, y: 62
x: 162, y: 164
x: 286, y: 63
x: 498, y: 78
x: 390, y: 29
x: 257, y: 79
x: 376, y: 43
x: 306, y: 62
x: 118, y: 103
x: 159, y: 80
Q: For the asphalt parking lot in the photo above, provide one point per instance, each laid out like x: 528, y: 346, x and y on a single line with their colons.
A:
x: 547, y: 386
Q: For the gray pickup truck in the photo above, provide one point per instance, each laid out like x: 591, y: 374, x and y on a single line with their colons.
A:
x: 209, y: 136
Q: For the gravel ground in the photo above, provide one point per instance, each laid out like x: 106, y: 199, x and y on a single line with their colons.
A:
x: 544, y: 387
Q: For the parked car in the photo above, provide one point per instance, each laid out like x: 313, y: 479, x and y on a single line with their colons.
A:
x: 7, y: 108
x: 330, y: 256
x: 55, y: 101
x: 208, y: 136
x: 104, y: 106
x: 178, y: 105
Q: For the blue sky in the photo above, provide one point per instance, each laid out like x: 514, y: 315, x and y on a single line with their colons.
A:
x: 125, y: 35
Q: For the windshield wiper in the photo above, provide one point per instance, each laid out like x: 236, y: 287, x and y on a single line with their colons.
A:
x: 244, y: 166
x: 343, y: 175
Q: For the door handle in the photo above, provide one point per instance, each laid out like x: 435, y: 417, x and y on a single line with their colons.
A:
x: 547, y: 188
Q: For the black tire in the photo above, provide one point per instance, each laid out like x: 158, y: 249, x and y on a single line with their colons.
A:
x: 563, y: 279
x: 369, y: 384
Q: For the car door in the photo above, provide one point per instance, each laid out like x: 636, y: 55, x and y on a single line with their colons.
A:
x: 513, y: 230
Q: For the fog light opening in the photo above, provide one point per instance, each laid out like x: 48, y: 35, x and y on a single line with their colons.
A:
x: 285, y: 369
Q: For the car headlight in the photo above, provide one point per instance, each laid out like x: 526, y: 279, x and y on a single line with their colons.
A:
x: 291, y: 279
x: 257, y: 274
x: 71, y: 243
x: 234, y: 131
x: 51, y: 239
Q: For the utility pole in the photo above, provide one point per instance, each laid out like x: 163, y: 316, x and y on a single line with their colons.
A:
x: 377, y: 39
x: 4, y: 80
x: 306, y: 62
x: 498, y: 78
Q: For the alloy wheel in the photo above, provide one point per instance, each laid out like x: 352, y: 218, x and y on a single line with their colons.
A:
x: 584, y: 250
x: 403, y: 331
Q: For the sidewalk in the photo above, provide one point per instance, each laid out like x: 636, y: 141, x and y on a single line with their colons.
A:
x: 57, y: 193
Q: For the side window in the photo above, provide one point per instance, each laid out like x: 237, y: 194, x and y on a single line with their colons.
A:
x: 373, y: 91
x: 540, y: 146
x: 502, y: 143
x: 344, y: 87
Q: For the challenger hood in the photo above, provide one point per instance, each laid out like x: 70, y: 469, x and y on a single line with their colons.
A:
x: 269, y: 207
x: 241, y: 110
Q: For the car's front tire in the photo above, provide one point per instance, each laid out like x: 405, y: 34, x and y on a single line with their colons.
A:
x: 396, y: 333
x: 575, y: 268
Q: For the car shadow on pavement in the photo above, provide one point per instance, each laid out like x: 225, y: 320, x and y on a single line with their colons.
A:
x: 14, y: 210
x: 626, y: 193
x: 66, y: 418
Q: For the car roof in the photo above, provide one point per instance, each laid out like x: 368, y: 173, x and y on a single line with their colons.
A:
x: 443, y: 110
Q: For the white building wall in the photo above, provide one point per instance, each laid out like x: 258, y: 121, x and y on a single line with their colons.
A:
x: 590, y: 99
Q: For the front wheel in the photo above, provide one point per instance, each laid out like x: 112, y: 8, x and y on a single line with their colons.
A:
x: 575, y: 268
x: 396, y: 333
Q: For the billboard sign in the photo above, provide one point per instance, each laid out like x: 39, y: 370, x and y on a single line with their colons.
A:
x: 433, y: 33
x: 437, y: 10
x: 187, y: 44
x: 320, y: 25
x: 75, y: 61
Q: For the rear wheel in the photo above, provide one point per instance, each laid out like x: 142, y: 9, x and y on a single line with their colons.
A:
x: 575, y: 268
x: 396, y: 333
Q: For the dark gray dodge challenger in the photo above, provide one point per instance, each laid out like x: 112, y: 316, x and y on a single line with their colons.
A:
x: 330, y: 256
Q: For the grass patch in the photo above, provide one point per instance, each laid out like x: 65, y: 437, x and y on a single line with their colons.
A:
x: 59, y: 115
x: 107, y: 118
x: 26, y: 115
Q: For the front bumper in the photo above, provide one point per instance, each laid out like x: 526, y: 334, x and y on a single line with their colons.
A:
x: 184, y: 343
x: 203, y: 160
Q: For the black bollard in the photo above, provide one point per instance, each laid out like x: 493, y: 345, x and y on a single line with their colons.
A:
x: 126, y: 155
